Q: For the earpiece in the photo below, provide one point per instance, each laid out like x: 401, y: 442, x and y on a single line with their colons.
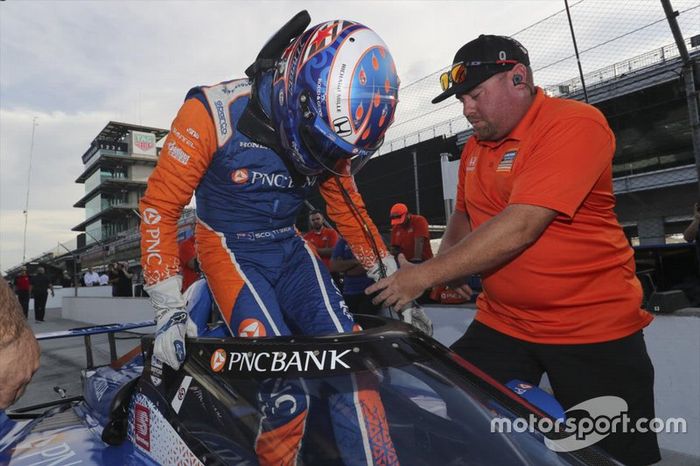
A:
x: 517, y: 79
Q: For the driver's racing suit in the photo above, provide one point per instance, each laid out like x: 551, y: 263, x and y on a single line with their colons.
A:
x: 264, y: 277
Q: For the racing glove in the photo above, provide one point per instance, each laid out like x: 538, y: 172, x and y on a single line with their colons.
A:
x: 415, y: 315
x: 389, y: 266
x: 412, y: 313
x: 173, y: 323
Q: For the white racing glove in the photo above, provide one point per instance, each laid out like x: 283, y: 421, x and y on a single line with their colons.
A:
x: 415, y: 315
x: 389, y: 264
x: 173, y: 323
x: 412, y: 313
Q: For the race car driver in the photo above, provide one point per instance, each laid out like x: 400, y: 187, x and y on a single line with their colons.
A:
x: 309, y: 114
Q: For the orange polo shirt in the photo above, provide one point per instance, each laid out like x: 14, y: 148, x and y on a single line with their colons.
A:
x: 325, y: 238
x: 577, y: 283
x: 404, y: 237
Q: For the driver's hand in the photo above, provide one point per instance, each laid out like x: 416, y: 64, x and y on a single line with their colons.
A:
x: 172, y: 321
x: 174, y: 325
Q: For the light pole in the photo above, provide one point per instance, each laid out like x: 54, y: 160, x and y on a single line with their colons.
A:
x: 26, y: 203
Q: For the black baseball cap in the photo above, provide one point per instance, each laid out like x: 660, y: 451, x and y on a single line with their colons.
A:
x: 481, y: 58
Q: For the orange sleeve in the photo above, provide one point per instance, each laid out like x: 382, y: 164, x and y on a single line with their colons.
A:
x: 353, y: 224
x: 459, y: 200
x: 184, y: 159
x: 565, y: 165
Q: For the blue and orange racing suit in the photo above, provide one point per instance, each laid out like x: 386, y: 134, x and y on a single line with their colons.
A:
x: 265, y: 278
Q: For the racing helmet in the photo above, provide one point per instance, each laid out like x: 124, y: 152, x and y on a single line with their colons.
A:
x: 334, y: 95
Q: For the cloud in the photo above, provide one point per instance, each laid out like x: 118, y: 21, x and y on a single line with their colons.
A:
x: 76, y: 65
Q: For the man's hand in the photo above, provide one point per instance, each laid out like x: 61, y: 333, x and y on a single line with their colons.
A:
x: 174, y: 325
x: 19, y: 360
x: 462, y: 289
x: 400, y: 288
x: 172, y: 320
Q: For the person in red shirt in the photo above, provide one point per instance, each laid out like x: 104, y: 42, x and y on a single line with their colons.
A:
x: 23, y: 289
x: 323, y: 238
x: 534, y: 215
x: 188, y: 258
x: 409, y: 234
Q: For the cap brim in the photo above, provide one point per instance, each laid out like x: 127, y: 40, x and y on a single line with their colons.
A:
x: 398, y: 220
x: 454, y: 90
x: 477, y: 77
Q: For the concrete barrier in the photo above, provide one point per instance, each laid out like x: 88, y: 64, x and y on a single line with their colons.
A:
x: 673, y: 343
x: 107, y: 310
x: 56, y: 301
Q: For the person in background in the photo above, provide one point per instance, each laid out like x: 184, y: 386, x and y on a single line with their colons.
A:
x: 91, y: 278
x: 355, y: 279
x: 41, y: 285
x: 19, y: 350
x: 113, y: 278
x: 124, y: 288
x: 534, y: 215
x: 22, y: 289
x: 187, y: 252
x: 66, y: 280
x: 692, y: 233
x: 409, y: 234
x: 104, y: 278
x: 323, y: 238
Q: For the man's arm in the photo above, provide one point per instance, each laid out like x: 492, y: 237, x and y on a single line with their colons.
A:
x: 185, y: 157
x: 418, y: 248
x: 458, y: 227
x: 324, y: 252
x: 691, y: 232
x: 354, y: 225
x: 492, y: 245
x: 422, y: 234
x: 19, y: 350
x: 340, y: 265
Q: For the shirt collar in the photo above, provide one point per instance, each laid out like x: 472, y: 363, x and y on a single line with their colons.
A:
x: 521, y: 129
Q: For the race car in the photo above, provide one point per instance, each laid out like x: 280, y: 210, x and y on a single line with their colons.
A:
x: 440, y: 409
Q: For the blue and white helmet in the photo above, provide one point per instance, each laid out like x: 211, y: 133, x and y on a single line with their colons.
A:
x: 335, y: 91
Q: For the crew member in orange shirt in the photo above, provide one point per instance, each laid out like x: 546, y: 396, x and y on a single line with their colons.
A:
x: 409, y: 234
x: 323, y: 238
x: 187, y: 252
x: 534, y: 215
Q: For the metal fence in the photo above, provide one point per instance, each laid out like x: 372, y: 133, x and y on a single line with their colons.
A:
x: 614, y: 38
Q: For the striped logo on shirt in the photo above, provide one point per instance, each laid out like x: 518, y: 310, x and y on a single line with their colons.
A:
x: 506, y: 163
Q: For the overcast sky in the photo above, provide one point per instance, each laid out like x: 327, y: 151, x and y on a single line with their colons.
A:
x: 78, y: 65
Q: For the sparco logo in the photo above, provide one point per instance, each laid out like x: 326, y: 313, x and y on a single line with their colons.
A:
x: 279, y: 361
x: 218, y: 360
x: 240, y: 176
x: 222, y: 117
x: 151, y: 216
